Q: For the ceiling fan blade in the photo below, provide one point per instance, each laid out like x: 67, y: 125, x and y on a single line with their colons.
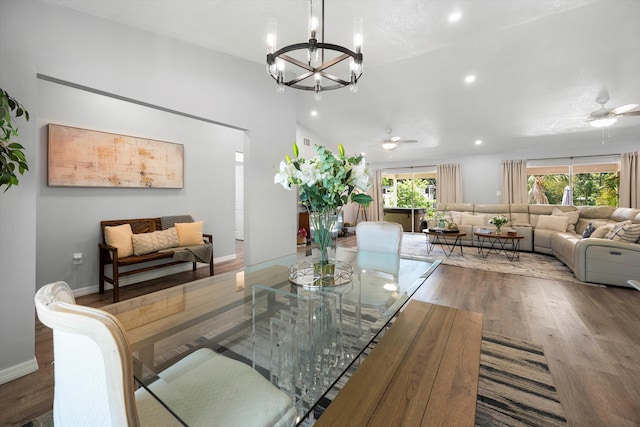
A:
x: 630, y: 113
x: 623, y: 109
x: 407, y: 141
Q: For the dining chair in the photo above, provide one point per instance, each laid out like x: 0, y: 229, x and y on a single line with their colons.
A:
x: 94, y: 377
x: 379, y: 236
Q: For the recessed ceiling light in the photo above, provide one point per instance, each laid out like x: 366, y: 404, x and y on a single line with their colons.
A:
x: 470, y: 78
x: 478, y: 141
x: 455, y: 16
x: 314, y: 113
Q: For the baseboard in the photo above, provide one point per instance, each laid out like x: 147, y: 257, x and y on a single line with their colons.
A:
x: 19, y: 370
x: 149, y: 275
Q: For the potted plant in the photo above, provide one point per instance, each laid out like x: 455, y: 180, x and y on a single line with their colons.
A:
x: 12, y: 159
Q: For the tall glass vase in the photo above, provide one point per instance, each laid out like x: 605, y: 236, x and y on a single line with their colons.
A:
x: 324, y: 229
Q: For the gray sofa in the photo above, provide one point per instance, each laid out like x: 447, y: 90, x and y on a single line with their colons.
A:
x: 594, y: 260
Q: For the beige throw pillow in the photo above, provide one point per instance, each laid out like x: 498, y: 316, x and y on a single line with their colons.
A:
x: 573, y: 218
x: 477, y: 220
x: 550, y: 222
x: 120, y: 237
x: 190, y: 233
x: 601, y: 231
x: 146, y: 243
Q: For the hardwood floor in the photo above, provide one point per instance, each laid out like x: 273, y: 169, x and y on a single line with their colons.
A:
x: 590, y: 335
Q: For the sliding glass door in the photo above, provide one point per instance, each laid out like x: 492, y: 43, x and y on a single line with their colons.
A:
x: 407, y: 194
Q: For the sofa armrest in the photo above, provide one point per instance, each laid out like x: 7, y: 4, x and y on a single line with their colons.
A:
x: 582, y: 246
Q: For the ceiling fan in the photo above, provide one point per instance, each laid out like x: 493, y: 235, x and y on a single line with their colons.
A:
x: 604, y: 117
x: 391, y: 142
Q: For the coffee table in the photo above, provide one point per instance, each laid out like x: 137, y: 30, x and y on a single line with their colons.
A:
x: 506, y: 242
x: 440, y: 237
x: 301, y: 339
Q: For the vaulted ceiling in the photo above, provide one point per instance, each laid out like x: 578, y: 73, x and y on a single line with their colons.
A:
x: 539, y: 65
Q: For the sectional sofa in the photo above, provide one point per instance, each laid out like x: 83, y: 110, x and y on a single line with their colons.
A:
x: 610, y: 255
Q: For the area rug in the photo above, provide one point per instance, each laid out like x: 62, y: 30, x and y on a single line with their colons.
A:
x: 530, y: 264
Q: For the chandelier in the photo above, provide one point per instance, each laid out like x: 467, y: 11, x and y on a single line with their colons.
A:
x: 314, y: 61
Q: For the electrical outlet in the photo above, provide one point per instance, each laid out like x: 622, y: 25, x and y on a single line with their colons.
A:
x: 77, y: 258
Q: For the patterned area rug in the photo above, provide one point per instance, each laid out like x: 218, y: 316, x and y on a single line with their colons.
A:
x: 530, y: 264
x: 516, y: 388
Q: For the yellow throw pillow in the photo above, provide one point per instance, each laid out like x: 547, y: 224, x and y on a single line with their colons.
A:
x: 120, y: 237
x: 190, y: 233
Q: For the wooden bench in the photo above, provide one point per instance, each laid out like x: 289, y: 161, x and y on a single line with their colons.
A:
x: 109, y: 254
x: 424, y: 371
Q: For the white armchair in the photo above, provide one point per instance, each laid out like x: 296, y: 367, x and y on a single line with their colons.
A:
x: 94, y: 383
x: 379, y: 236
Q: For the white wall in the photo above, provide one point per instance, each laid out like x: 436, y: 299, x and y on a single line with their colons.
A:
x: 40, y: 39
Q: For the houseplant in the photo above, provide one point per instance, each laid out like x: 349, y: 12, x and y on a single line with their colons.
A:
x: 325, y: 184
x: 12, y: 157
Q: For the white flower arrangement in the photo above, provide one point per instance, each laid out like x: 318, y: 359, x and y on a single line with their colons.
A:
x: 498, y: 220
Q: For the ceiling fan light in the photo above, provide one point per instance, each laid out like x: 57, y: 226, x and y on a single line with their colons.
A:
x: 602, y: 123
x: 389, y: 145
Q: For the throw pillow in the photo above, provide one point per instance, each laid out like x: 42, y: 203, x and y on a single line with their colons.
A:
x: 573, y: 218
x: 624, y: 231
x: 145, y: 243
x: 550, y: 222
x: 601, y: 231
x: 190, y: 233
x: 477, y: 220
x: 588, y: 231
x: 120, y: 237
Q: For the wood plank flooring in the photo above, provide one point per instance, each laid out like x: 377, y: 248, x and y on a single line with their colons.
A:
x: 590, y: 335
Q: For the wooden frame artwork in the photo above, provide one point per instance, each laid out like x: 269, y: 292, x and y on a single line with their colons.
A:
x: 86, y: 158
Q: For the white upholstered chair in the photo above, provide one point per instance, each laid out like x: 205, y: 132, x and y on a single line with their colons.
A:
x: 94, y: 384
x: 379, y: 236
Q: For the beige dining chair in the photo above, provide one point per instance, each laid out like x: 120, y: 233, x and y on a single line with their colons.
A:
x: 94, y: 381
x: 379, y: 236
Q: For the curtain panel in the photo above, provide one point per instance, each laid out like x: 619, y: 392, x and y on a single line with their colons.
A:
x: 514, y: 181
x: 629, y: 179
x: 375, y: 210
x: 449, y: 184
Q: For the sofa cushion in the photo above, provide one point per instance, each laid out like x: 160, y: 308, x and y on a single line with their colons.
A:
x: 551, y: 222
x: 603, y: 212
x: 146, y: 243
x: 624, y: 231
x: 518, y: 218
x: 573, y: 218
x: 120, y: 237
x: 190, y: 233
x: 477, y: 220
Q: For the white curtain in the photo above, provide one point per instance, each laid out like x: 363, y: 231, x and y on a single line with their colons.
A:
x: 449, y: 184
x: 375, y: 211
x: 630, y: 180
x: 514, y: 181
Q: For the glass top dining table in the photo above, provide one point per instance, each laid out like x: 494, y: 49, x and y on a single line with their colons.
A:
x: 300, y: 338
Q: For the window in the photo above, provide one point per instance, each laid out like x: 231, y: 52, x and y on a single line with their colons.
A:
x: 578, y: 185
